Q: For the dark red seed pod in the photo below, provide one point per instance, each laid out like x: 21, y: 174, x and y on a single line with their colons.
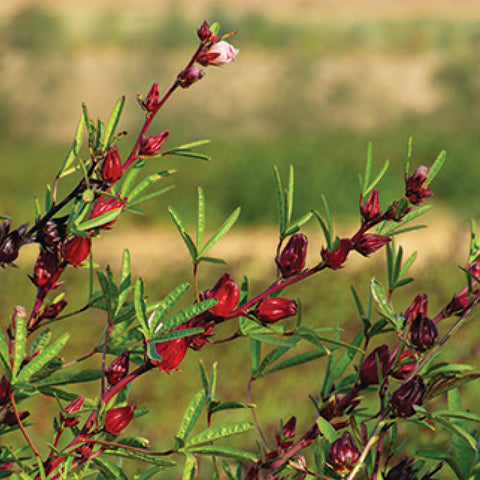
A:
x: 369, y: 243
x: 402, y: 471
x: 118, y: 369
x: 111, y: 169
x: 407, y: 396
x: 286, y: 436
x: 104, y: 205
x: 4, y: 390
x: 369, y: 368
x: 45, y: 269
x: 424, y: 333
x: 75, y: 406
x: 190, y: 76
x: 53, y: 310
x: 152, y: 144
x: 172, y: 352
x: 273, y: 309
x: 416, y: 186
x: 336, y: 259
x: 370, y: 210
x: 292, y: 258
x: 150, y: 102
x: 343, y: 454
x: 419, y: 305
x: 76, y: 250
x: 406, y: 363
x: 227, y: 294
x: 204, y: 32
x: 116, y: 419
x: 10, y: 419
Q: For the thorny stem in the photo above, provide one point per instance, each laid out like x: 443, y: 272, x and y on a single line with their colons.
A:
x: 20, y: 424
x: 254, y: 415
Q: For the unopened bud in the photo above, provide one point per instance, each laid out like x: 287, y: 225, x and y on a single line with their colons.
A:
x: 190, y: 76
x: 273, y: 309
x: 205, y: 34
x: 76, y: 250
x: 371, y: 209
x: 53, y: 310
x: 118, y: 369
x: 419, y: 305
x: 45, y: 269
x: 416, y: 187
x: 378, y: 359
x: 116, y: 419
x: 286, y: 436
x: 75, y: 406
x: 217, y: 54
x: 406, y: 363
x: 336, y: 259
x: 424, y: 332
x: 4, y: 390
x: 150, y: 102
x: 172, y: 352
x: 343, y: 454
x: 292, y: 258
x: 104, y: 205
x: 226, y: 292
x: 402, y: 471
x: 152, y: 144
x: 111, y: 170
x: 369, y: 243
x: 407, y: 396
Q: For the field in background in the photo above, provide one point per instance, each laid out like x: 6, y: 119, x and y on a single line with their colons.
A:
x: 310, y: 89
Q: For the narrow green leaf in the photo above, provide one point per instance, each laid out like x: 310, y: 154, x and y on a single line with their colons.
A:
x: 272, y: 340
x: 224, y: 228
x: 229, y: 406
x: 190, y: 468
x: 203, y: 376
x: 146, y: 183
x: 221, y: 431
x: 141, y: 457
x: 187, y: 153
x: 255, y: 353
x: 289, y: 195
x: 326, y: 232
x: 457, y: 430
x: 377, y: 178
x: 186, y: 332
x: 295, y: 226
x: 368, y: 169
x: 274, y: 355
x: 408, y: 155
x: 113, y: 122
x: 109, y: 470
x: 107, y: 292
x: 436, y: 167
x: 5, y: 357
x: 140, y: 308
x: 225, y: 452
x: 188, y: 313
x: 191, y: 414
x: 48, y: 198
x: 125, y: 279
x: 65, y: 378
x: 102, y: 219
x: 146, y: 198
x: 344, y: 361
x: 75, y: 148
x: 408, y: 263
x: 280, y: 200
x: 384, y: 306
x: 294, y: 361
x: 217, y: 261
x: 191, y: 145
x: 42, y: 359
x: 200, y: 217
x: 42, y: 340
x: 394, y: 228
x: 166, y: 305
x: 129, y: 180
x: 20, y: 343
x: 442, y: 456
x: 183, y: 233
x: 326, y: 429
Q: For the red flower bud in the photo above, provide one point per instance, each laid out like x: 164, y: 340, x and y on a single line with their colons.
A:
x: 6, y: 466
x: 371, y: 209
x: 398, y: 210
x: 75, y: 406
x: 402, y: 471
x: 343, y: 454
x: 273, y: 309
x: 380, y: 357
x: 406, y: 363
x: 217, y: 54
x: 10, y: 419
x: 407, y: 396
x: 4, y: 391
x: 76, y: 250
x: 172, y: 353
x: 105, y: 205
x: 45, y: 269
x: 226, y: 292
x: 336, y: 259
x: 52, y: 233
x: 285, y: 438
x: 205, y: 34
x: 415, y: 186
x: 9, y: 247
x: 292, y: 259
x: 424, y: 333
x: 111, y: 170
x: 150, y: 102
x: 116, y: 419
x: 52, y: 310
x: 459, y: 302
x: 152, y: 144
x: 419, y: 305
x: 369, y: 243
x: 118, y: 369
x: 189, y: 76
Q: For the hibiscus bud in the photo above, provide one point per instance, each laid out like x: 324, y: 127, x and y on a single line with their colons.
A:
x: 111, y: 170
x: 459, y: 302
x: 150, y: 102
x: 273, y: 309
x: 217, y: 54
x: 407, y: 395
x: 85, y: 449
x: 152, y: 144
x: 292, y: 259
x: 104, y: 205
x: 285, y: 438
x: 406, y: 363
x: 415, y: 186
x: 424, y: 332
x: 369, y: 243
x: 76, y: 250
x: 4, y: 390
x: 6, y: 466
x: 172, y: 353
x: 205, y: 34
x: 52, y: 233
x: 419, y: 305
x: 118, y: 369
x: 53, y: 310
x: 227, y: 293
x: 397, y: 210
x: 45, y: 269
x: 343, y: 454
x: 371, y: 209
x: 75, y: 406
x: 10, y: 419
x: 336, y: 259
x: 380, y: 357
x: 190, y: 75
x: 10, y: 247
x: 402, y: 471
x: 116, y: 419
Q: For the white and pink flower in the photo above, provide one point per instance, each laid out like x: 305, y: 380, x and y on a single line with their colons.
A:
x: 217, y: 54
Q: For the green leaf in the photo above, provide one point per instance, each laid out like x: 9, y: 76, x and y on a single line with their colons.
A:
x: 457, y: 430
x: 408, y: 263
x: 295, y: 226
x: 377, y: 178
x: 326, y: 429
x: 394, y: 228
x: 217, y: 261
x: 125, y: 279
x: 113, y: 122
x: 196, y: 143
x: 289, y: 195
x: 102, y: 219
x: 191, y: 414
x: 142, y: 457
x: 109, y: 470
x: 225, y: 452
x: 200, y: 217
x: 345, y: 360
x: 20, y: 343
x: 186, y: 332
x: 274, y: 355
x: 147, y: 182
x: 74, y: 149
x: 129, y: 180
x: 146, y: 198
x: 166, y: 305
x: 383, y: 304
x: 188, y: 313
x: 5, y: 357
x: 42, y: 340
x: 65, y: 378
x: 280, y: 201
x: 183, y: 233
x: 294, y: 361
x: 326, y: 232
x: 436, y: 167
x: 140, y: 307
x: 442, y: 456
x: 42, y: 359
x: 368, y: 169
x: 229, y: 406
x: 190, y: 468
x: 255, y: 352
x: 221, y: 431
x: 272, y: 340
x: 224, y: 228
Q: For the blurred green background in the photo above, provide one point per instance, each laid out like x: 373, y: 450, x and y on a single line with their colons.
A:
x: 313, y: 83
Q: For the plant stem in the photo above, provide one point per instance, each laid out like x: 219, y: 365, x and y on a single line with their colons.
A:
x: 254, y: 415
x: 22, y: 428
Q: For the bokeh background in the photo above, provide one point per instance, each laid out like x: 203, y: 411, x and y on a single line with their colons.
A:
x: 314, y: 82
